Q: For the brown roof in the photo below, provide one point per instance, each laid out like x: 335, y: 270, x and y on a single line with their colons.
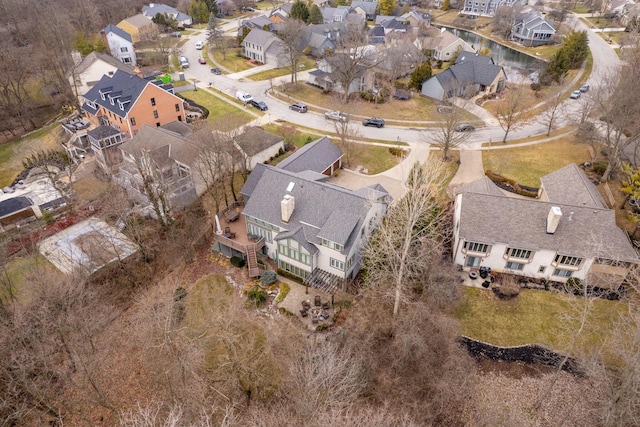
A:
x: 255, y: 140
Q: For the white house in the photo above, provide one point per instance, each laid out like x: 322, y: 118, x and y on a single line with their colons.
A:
x: 153, y: 9
x: 533, y: 29
x: 264, y: 46
x: 485, y: 7
x: 120, y: 44
x: 90, y: 70
x: 567, y: 232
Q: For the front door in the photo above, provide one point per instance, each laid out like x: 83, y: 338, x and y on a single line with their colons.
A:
x: 472, y: 261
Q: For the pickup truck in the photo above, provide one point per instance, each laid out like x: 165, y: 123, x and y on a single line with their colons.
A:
x: 336, y: 115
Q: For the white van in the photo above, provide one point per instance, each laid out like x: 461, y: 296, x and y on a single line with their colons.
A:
x: 183, y: 62
x: 199, y: 45
x: 243, y: 96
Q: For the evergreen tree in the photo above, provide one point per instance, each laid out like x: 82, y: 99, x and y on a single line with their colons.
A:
x: 299, y: 11
x: 387, y: 7
x: 315, y: 15
x: 420, y: 75
x: 446, y: 5
x: 199, y: 11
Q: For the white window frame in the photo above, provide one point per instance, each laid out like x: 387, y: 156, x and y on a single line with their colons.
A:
x: 337, y: 264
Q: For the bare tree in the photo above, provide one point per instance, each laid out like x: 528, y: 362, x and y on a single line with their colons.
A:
x: 405, y: 249
x: 292, y: 36
x: 348, y: 136
x: 448, y: 134
x: 216, y: 37
x: 510, y: 111
x: 550, y: 115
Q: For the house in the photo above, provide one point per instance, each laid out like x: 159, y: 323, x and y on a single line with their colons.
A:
x: 444, y: 45
x: 485, y: 7
x: 391, y: 25
x: 321, y: 3
x: 166, y: 157
x: 280, y: 14
x: 28, y: 200
x: 567, y: 232
x: 376, y: 35
x: 119, y: 44
x: 315, y: 230
x: 91, y: 69
x: 334, y: 14
x: 139, y: 27
x: 417, y: 19
x: 320, y: 44
x: 258, y: 146
x: 470, y: 75
x: 533, y: 29
x: 321, y: 156
x: 324, y: 77
x: 153, y: 9
x: 265, y: 47
x: 120, y: 104
x: 261, y: 22
x: 365, y: 8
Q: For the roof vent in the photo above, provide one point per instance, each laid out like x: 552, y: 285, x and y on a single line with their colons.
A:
x: 553, y: 219
x: 286, y: 207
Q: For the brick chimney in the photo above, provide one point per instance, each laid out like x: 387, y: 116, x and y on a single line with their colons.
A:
x: 137, y: 72
x: 287, y: 206
x: 553, y: 219
x: 105, y: 41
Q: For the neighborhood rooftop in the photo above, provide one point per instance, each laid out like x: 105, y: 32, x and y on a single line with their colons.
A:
x: 571, y: 186
x: 315, y: 156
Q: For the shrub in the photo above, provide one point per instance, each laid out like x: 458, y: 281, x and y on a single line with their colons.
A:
x: 308, y: 140
x: 599, y: 167
x: 322, y: 327
x: 536, y: 86
x: 398, y: 152
x: 574, y: 286
x: 288, y: 275
x: 280, y: 151
x: 237, y: 262
x: 507, y: 290
x: 284, y: 290
x: 257, y: 295
x: 268, y: 277
x: 286, y: 312
x: 179, y: 294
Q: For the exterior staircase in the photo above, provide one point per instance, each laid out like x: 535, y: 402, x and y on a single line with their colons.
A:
x: 252, y: 262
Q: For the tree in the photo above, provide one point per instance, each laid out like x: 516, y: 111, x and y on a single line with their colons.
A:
x: 315, y: 15
x: 571, y: 55
x: 165, y: 21
x: 348, y: 140
x: 405, y: 250
x: 52, y: 163
x: 509, y: 112
x: 199, y: 11
x: 445, y: 136
x: 446, y: 5
x: 421, y: 74
x: 387, y: 7
x: 504, y: 20
x: 292, y: 35
x: 299, y: 11
x: 550, y: 115
x: 216, y: 37
x: 86, y: 45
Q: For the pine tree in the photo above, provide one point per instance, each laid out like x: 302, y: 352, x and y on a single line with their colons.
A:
x: 420, y: 75
x: 299, y: 11
x: 315, y: 15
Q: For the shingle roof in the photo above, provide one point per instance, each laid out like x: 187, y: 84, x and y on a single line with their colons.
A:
x: 482, y: 186
x: 571, y: 186
x: 369, y: 7
x: 163, y: 144
x: 473, y: 68
x: 521, y: 223
x: 138, y: 20
x: 260, y: 37
x: 13, y: 205
x: 117, y: 31
x: 255, y: 140
x: 316, y: 156
x: 102, y: 132
x: 330, y: 209
x: 95, y: 56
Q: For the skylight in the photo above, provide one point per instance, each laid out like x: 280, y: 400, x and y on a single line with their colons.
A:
x: 290, y: 186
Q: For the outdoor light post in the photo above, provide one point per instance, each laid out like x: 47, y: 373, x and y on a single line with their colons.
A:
x: 195, y: 87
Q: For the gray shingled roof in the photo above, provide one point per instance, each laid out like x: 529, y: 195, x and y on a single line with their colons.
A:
x: 163, y: 144
x: 316, y: 156
x: 482, y: 186
x: 13, y: 205
x: 117, y: 31
x: 94, y: 56
x: 138, y: 21
x: 571, y: 186
x: 255, y: 140
x: 473, y: 69
x: 331, y: 209
x: 260, y: 37
x: 102, y: 132
x: 521, y: 223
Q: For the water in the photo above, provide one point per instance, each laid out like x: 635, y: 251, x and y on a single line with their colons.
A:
x: 517, y: 65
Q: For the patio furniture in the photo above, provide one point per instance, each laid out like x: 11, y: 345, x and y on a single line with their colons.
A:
x: 233, y: 216
x: 326, y: 305
x: 306, y: 305
x: 304, y: 313
x: 317, y: 301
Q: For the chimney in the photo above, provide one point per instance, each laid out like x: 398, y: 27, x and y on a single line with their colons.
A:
x: 553, y: 219
x: 137, y: 72
x: 105, y: 41
x: 286, y: 206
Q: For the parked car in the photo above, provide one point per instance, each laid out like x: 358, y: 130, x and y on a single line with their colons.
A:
x: 243, y: 96
x: 575, y: 94
x: 300, y: 108
x: 584, y: 88
x: 183, y: 62
x: 199, y: 45
x: 176, y: 34
x: 260, y: 105
x: 373, y: 121
x: 216, y: 71
x: 336, y: 115
x: 402, y: 95
x: 202, y: 61
x: 465, y: 127
x: 248, y: 9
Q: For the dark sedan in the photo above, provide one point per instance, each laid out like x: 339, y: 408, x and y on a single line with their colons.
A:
x: 373, y: 121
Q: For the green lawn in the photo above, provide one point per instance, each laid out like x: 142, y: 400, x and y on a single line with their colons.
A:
x: 307, y: 63
x: 232, y: 62
x: 527, y: 164
x: 19, y: 273
x: 534, y: 317
x: 222, y: 114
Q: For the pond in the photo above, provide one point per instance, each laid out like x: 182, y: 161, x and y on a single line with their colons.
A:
x: 516, y: 64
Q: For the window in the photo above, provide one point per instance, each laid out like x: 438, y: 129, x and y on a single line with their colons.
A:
x: 293, y: 269
x: 337, y: 264
x: 472, y: 261
x: 572, y: 261
x: 562, y: 273
x: 476, y: 247
x: 518, y: 253
x: 338, y: 247
x: 179, y: 118
x: 155, y: 114
x: 178, y: 107
x: 292, y: 249
x: 153, y: 102
x: 515, y: 266
x: 542, y: 269
x: 133, y: 121
x: 124, y: 49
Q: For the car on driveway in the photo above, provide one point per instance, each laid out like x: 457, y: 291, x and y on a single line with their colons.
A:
x: 465, y: 127
x: 202, y: 61
x: 575, y: 94
x: 373, y: 121
x: 402, y: 95
x: 260, y: 105
x: 216, y: 71
x: 300, y: 108
x: 584, y: 88
x: 338, y: 116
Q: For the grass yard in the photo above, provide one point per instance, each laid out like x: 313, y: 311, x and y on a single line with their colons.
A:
x: 233, y: 62
x: 18, y: 275
x: 223, y: 115
x: 416, y: 109
x: 308, y: 63
x: 89, y: 188
x: 535, y: 317
x: 599, y: 22
x: 527, y: 164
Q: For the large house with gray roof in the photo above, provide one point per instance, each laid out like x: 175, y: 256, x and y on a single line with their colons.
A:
x: 568, y: 231
x: 90, y: 70
x: 152, y: 9
x: 120, y: 44
x: 265, y: 47
x: 470, y: 75
x: 532, y: 29
x: 321, y: 156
